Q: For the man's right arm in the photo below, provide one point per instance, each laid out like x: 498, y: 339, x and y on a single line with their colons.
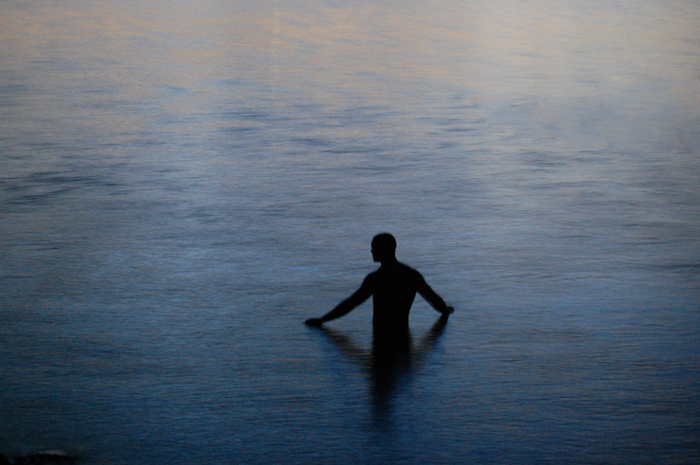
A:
x: 347, y: 305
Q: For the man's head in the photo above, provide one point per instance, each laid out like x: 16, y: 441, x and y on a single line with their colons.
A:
x: 383, y: 247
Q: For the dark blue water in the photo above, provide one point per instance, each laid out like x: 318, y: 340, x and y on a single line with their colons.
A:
x: 182, y: 184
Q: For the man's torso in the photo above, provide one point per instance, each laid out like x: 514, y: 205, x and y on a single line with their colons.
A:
x: 393, y: 292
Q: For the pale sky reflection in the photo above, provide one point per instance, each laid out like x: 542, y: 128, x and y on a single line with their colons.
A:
x: 572, y: 64
x: 585, y: 49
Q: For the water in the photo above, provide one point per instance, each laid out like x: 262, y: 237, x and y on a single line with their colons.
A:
x: 182, y: 184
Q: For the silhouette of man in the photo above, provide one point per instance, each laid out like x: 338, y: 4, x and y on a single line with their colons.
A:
x: 393, y: 288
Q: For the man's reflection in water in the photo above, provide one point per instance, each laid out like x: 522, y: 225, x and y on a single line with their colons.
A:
x: 391, y: 362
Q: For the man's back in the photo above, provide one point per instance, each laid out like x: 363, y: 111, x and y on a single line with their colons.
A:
x: 393, y: 287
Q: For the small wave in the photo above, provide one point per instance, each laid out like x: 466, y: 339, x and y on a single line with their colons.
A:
x: 43, y: 187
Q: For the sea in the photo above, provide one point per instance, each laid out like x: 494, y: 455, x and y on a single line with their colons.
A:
x: 184, y: 183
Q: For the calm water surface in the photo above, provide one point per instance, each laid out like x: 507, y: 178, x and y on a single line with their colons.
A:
x: 183, y: 183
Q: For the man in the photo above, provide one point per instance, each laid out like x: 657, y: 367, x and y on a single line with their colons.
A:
x: 393, y: 288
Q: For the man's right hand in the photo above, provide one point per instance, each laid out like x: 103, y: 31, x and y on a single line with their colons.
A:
x: 315, y: 322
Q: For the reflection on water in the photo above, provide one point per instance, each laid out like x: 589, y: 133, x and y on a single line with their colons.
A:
x: 183, y: 183
x: 390, y: 364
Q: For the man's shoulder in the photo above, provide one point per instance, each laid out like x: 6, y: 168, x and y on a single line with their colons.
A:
x: 409, y: 274
x: 371, y: 277
x: 407, y: 269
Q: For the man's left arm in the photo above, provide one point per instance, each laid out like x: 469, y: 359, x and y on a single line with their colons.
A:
x: 431, y: 296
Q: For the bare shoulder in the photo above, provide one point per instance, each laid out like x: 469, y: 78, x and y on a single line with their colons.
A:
x: 407, y: 269
x: 413, y: 274
x: 370, y: 279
